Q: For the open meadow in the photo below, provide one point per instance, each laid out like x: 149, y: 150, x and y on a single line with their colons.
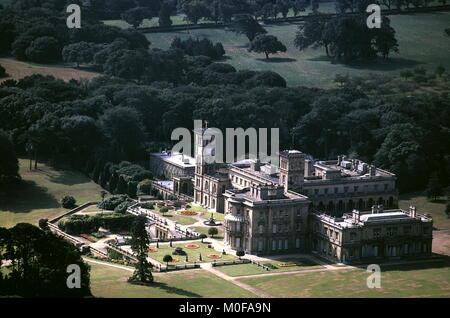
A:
x: 107, y: 281
x: 413, y: 280
x: 422, y: 43
x: 19, y: 69
x: 41, y: 192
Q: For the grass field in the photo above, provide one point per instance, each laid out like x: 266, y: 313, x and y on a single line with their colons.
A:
x: 18, y: 69
x: 423, y: 205
x: 171, y: 215
x: 41, y: 191
x: 111, y: 282
x: 252, y: 269
x: 192, y: 253
x: 204, y: 230
x: 408, y: 281
x: 421, y: 42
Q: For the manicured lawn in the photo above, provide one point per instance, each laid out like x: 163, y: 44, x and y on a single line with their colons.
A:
x: 111, y: 282
x: 421, y: 38
x: 41, y: 191
x: 416, y: 280
x: 171, y: 215
x: 197, y: 208
x: 192, y: 253
x: 217, y: 216
x: 435, y: 208
x: 204, y: 230
x: 252, y: 269
x: 18, y: 69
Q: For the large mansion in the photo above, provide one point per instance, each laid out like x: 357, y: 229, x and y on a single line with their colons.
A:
x: 344, y: 209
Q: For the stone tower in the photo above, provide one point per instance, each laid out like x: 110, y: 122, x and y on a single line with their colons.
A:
x: 292, y: 169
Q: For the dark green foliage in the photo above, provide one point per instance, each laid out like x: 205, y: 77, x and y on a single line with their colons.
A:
x: 267, y: 44
x: 84, y: 224
x: 68, y: 202
x: 164, y: 15
x: 39, y: 264
x: 44, y: 50
x: 194, y: 10
x: 247, y: 25
x: 2, y: 72
x: 135, y: 16
x: 43, y: 224
x: 122, y: 207
x: 347, y: 38
x: 132, y: 189
x: 139, y: 244
x: 434, y: 188
x: 145, y: 186
x: 9, y: 165
x: 240, y: 253
x: 213, y: 231
x: 113, y: 201
x: 80, y: 52
x: 167, y: 258
x: 147, y: 205
x: 122, y: 186
x: 198, y: 47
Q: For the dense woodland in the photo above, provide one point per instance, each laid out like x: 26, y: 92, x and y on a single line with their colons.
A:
x: 146, y: 93
x: 39, y: 264
x: 106, y: 127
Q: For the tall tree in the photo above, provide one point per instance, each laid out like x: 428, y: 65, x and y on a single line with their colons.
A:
x: 267, y: 44
x: 245, y: 24
x: 139, y: 244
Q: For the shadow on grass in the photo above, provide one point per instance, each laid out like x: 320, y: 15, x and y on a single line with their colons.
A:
x: 442, y: 263
x: 175, y: 290
x: 277, y: 60
x: 68, y: 178
x: 379, y: 64
x: 28, y: 196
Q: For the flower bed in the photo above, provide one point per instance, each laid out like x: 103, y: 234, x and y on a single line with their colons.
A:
x: 174, y: 260
x: 192, y: 246
x: 89, y: 238
x: 287, y: 264
x: 214, y: 256
x: 186, y: 212
x: 152, y: 250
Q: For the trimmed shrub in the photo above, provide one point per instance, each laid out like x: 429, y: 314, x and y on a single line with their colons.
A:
x: 122, y: 207
x: 68, y: 202
x: 113, y: 201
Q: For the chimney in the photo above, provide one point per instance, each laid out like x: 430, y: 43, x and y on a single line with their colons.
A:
x: 339, y: 160
x: 374, y: 209
x: 372, y: 170
x: 355, y: 215
x: 380, y: 208
x: 412, y: 211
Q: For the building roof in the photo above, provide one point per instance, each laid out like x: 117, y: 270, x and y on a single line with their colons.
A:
x: 176, y: 158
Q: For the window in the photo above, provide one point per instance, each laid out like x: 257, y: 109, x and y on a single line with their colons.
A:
x: 326, y: 190
x: 376, y: 232
x: 336, y: 190
x: 352, y: 236
x: 286, y: 244
x: 316, y: 191
x: 407, y: 230
x: 274, y: 228
x: 345, y: 189
x: 386, y: 186
x: 391, y: 231
x: 297, y: 243
x: 355, y: 189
